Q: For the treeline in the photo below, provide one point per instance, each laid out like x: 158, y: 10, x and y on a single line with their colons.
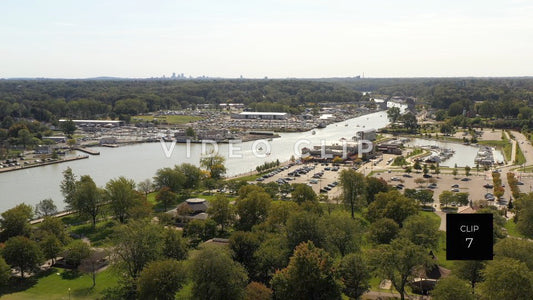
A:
x: 267, y: 165
x: 48, y: 100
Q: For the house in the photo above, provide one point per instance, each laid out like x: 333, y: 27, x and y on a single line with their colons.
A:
x: 191, y: 209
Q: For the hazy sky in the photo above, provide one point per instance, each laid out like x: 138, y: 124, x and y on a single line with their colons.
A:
x: 291, y: 38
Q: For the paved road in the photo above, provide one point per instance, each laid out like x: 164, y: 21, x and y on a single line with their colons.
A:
x: 525, y: 146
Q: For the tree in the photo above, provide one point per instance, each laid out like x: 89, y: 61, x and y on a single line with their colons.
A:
x: 524, y: 214
x: 215, y: 276
x: 355, y: 275
x: 14, y: 221
x: 252, y: 209
x: 393, y: 114
x: 68, y: 187
x: 53, y: 226
x: 397, y: 262
x: 243, y: 245
x: 423, y: 196
x: 425, y: 170
x: 92, y: 263
x: 392, y: 205
x: 409, y: 121
x: 88, y: 198
x: 302, y: 193
x: 257, y: 291
x: 467, y: 170
x: 75, y: 252
x: 173, y: 179
x: 166, y: 197
x: 319, y: 280
x: 451, y: 288
x: 507, y: 278
x: 446, y: 197
x: 5, y: 272
x: 145, y: 186
x: 122, y: 196
x: 193, y: 175
x: 25, y: 137
x: 68, y: 127
x: 214, y: 163
x: 22, y: 253
x: 343, y: 233
x: 161, y: 280
x: 374, y: 186
x: 175, y: 245
x: 136, y: 244
x: 272, y: 255
x: 45, y: 208
x: 221, y: 211
x: 454, y: 171
x: 422, y: 230
x: 190, y: 132
x: 353, y: 189
x: 470, y: 270
x: 51, y: 247
x: 305, y: 226
x: 417, y: 165
x: 383, y: 231
x: 519, y: 249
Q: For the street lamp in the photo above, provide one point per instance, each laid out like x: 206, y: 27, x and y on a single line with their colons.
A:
x: 68, y: 293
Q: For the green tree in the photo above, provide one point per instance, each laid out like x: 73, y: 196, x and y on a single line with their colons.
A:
x: 305, y: 226
x: 454, y: 171
x: 88, y: 198
x: 171, y: 178
x: 215, y: 276
x: 353, y: 189
x: 470, y: 270
x: 417, y: 165
x: 397, y: 262
x: 374, y: 186
x: 145, y: 186
x: 22, y: 253
x: 75, y: 252
x: 252, y: 209
x: 214, y: 163
x: 319, y: 280
x: 392, y: 205
x: 425, y: 169
x: 272, y: 255
x: 243, y: 245
x: 355, y: 275
x: 524, y: 214
x: 25, y: 138
x: 422, y: 230
x: 507, y: 278
x: 193, y: 175
x: 409, y: 121
x: 45, y: 208
x: 68, y: 127
x: 121, y: 195
x: 55, y: 227
x: 160, y: 280
x: 51, y: 246
x: 136, y: 244
x: 68, y: 187
x: 446, y: 197
x: 383, y: 231
x: 166, y: 197
x: 175, y: 245
x: 257, y: 291
x: 15, y: 221
x: 515, y: 248
x: 190, y: 132
x: 302, y: 193
x: 393, y: 114
x: 5, y: 272
x: 467, y: 170
x: 221, y: 211
x: 92, y: 263
x: 451, y: 288
x: 343, y: 233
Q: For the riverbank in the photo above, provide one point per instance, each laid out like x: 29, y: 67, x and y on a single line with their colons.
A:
x: 44, y: 163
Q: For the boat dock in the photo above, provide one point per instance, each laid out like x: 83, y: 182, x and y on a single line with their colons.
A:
x: 87, y: 150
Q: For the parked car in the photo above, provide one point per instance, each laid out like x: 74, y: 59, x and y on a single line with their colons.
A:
x: 488, y: 186
x: 455, y: 186
x: 465, y: 179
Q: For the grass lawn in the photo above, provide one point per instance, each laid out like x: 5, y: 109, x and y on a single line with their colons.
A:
x: 520, y: 159
x: 512, y: 230
x: 171, y: 120
x: 98, y: 236
x: 54, y: 286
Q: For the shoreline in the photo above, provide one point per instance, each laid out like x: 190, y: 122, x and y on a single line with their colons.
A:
x: 73, y: 158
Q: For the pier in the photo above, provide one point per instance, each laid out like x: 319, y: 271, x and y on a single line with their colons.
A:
x: 87, y: 150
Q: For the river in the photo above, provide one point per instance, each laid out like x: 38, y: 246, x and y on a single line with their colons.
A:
x: 141, y: 161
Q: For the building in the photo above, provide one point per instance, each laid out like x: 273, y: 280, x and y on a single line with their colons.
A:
x: 96, y: 123
x: 191, y: 209
x: 261, y: 115
x: 367, y: 134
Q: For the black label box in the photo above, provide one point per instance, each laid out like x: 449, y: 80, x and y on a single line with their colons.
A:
x: 469, y: 237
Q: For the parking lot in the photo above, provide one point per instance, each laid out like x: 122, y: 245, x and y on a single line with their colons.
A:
x: 321, y: 177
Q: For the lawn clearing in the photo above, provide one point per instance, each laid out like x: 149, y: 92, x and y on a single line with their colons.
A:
x: 54, y: 286
x: 171, y: 119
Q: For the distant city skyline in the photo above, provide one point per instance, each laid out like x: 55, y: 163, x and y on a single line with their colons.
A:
x: 274, y: 39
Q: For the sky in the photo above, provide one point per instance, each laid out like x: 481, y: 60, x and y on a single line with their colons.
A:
x: 276, y: 39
